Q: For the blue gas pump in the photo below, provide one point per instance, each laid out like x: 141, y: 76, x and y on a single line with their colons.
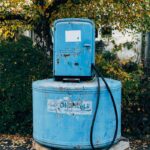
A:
x: 74, y: 57
x: 61, y: 110
x: 74, y: 48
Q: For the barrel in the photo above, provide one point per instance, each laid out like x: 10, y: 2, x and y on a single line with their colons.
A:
x: 63, y: 113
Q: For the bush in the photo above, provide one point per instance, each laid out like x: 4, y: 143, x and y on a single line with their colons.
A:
x: 20, y: 64
x: 135, y: 92
x: 110, y: 66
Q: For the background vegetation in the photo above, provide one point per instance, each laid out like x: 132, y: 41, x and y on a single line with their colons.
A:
x: 21, y: 62
x: 38, y: 15
x: 135, y: 92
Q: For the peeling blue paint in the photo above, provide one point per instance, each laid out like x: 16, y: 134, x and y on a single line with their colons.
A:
x: 65, y: 128
x: 74, y: 47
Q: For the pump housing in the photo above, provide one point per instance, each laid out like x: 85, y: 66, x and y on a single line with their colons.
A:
x: 74, y: 48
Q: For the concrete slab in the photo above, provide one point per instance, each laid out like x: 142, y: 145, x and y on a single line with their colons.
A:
x: 122, y: 145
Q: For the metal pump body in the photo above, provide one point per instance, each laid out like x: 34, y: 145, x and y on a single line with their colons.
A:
x: 74, y: 48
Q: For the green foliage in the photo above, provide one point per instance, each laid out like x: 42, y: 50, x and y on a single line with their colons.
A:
x: 117, y: 14
x: 136, y: 112
x: 135, y: 92
x: 16, y: 15
x: 129, y: 73
x: 20, y: 64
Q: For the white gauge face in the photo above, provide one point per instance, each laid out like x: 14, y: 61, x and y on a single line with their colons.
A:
x: 73, y: 36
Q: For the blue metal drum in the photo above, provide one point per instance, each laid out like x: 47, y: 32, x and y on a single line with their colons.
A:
x: 63, y: 112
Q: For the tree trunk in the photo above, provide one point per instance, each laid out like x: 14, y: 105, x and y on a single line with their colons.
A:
x: 147, y: 54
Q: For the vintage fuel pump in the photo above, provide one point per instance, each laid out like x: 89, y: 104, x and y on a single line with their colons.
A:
x: 74, y: 49
x: 74, y: 55
x: 76, y: 115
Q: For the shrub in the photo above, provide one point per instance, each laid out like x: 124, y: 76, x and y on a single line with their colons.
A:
x: 110, y: 66
x: 135, y: 92
x: 20, y: 64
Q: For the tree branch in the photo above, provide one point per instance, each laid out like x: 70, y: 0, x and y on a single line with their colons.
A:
x: 18, y: 17
x: 54, y: 6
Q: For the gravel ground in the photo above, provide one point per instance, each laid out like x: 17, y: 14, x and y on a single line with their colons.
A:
x: 17, y: 142
x: 138, y: 144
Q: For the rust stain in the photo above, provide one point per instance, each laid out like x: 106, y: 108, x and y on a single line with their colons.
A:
x: 61, y: 88
x: 78, y: 147
x: 76, y: 64
x: 66, y: 55
x: 57, y: 61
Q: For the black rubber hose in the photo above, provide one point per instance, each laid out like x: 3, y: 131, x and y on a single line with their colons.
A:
x: 96, y: 109
x: 97, y: 104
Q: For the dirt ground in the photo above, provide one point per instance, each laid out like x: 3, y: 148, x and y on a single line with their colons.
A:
x: 17, y: 142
